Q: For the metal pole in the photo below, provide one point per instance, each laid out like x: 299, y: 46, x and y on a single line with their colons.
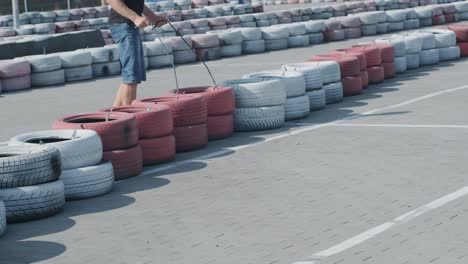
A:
x: 14, y: 7
x: 26, y: 6
x: 103, y: 2
x: 68, y: 4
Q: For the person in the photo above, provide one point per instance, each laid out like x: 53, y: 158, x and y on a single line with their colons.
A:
x: 126, y: 19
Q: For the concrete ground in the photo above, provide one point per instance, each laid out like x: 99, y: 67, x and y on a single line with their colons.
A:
x: 379, y: 178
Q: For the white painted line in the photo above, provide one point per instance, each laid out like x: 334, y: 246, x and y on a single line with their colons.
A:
x: 400, y: 125
x: 361, y: 238
x: 306, y: 128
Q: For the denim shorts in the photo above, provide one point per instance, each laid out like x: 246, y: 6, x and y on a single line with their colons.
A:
x: 131, y: 52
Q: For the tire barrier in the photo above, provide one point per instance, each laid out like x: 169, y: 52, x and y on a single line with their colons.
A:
x: 29, y: 183
x: 3, y: 221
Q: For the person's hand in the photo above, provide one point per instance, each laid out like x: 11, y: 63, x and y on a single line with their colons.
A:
x: 159, y: 21
x: 140, y: 22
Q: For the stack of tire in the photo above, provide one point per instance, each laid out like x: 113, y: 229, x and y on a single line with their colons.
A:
x: 333, y: 31
x: 89, y: 12
x: 351, y: 26
x: 62, y: 15
x: 217, y: 23
x: 233, y: 21
x: 412, y: 20
x: 190, y: 114
x: 77, y: 65
x: 47, y: 17
x: 399, y: 47
x: 395, y: 19
x: 276, y: 38
x: 46, y: 70
x: 259, y: 104
x: 29, y: 183
x: 446, y: 42
x: 363, y: 74
x: 373, y: 55
x: 425, y: 15
x: 252, y: 40
x: 314, y: 79
x: 297, y: 104
x: 462, y: 10
x: 182, y: 52
x: 461, y: 32
x: 206, y: 46
x: 155, y: 131
x: 200, y: 26
x: 450, y: 13
x: 314, y: 31
x: 156, y: 52
x: 220, y: 102
x: 370, y: 22
x: 76, y: 14
x: 438, y: 16
x: 247, y: 21
x: 84, y: 175
x: 44, y: 28
x: 119, y: 136
x: 429, y: 54
x: 230, y: 42
x: 105, y: 61
x: 297, y: 35
x: 387, y: 54
x: 15, y: 75
x: 413, y: 46
x: 350, y: 71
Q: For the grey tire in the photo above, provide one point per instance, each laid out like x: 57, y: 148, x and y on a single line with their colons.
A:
x: 297, y: 107
x: 333, y: 93
x: 450, y: 53
x: 429, y: 57
x: 33, y: 202
x: 41, y: 79
x: 88, y: 182
x: 317, y: 99
x: 261, y: 118
x: 79, y: 73
x: 78, y: 148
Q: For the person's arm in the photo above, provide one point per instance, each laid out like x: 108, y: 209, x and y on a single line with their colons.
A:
x: 153, y: 18
x: 120, y: 7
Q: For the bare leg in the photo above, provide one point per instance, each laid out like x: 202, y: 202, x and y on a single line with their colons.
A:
x: 118, y: 97
x: 128, y: 93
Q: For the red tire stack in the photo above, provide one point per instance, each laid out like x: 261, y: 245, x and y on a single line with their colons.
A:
x: 363, y: 63
x: 375, y: 69
x: 190, y: 115
x: 155, y: 126
x: 119, y: 135
x: 221, y: 104
x: 450, y: 13
x: 461, y: 30
x: 438, y: 17
x: 387, y: 53
x: 350, y: 69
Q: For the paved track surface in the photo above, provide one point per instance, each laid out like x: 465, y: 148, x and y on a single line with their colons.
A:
x: 350, y: 172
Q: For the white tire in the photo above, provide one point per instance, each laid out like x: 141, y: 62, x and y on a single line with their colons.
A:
x: 33, y: 202
x: 276, y: 44
x: 102, y: 55
x: 293, y: 82
x: 297, y: 107
x: 275, y: 32
x: 396, y: 26
x: 369, y: 30
x: 184, y: 56
x: 156, y: 48
x: 42, y: 79
x: 315, y: 38
x: 314, y: 26
x: 160, y: 61
x: 231, y: 50
x: 411, y: 24
x: 428, y: 40
x: 257, y: 93
x: 261, y: 118
x: 429, y: 57
x: 106, y: 69
x: 44, y: 63
x: 298, y: 41
x: 398, y: 44
x: 79, y: 73
x: 317, y: 99
x: 412, y: 61
x: 413, y: 43
x: 444, y: 38
x: 400, y: 64
x: 333, y: 92
x: 87, y: 182
x: 78, y: 148
x: 253, y: 46
x: 450, y: 53
x: 75, y: 59
x: 311, y: 72
x: 228, y: 37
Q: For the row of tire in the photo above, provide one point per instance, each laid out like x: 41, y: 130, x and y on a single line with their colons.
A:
x: 380, y: 4
x: 36, y: 180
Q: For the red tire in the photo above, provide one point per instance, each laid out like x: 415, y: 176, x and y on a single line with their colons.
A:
x: 187, y: 109
x: 461, y: 30
x: 387, y: 52
x: 359, y: 55
x: 158, y: 150
x: 463, y: 49
x: 450, y: 18
x: 389, y: 70
x: 373, y: 56
x: 349, y: 65
x: 190, y: 138
x: 376, y: 74
x: 127, y: 162
x: 365, y: 78
x: 120, y: 132
x: 352, y: 85
x: 438, y: 20
x: 152, y: 121
x: 219, y: 100
x: 220, y: 127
